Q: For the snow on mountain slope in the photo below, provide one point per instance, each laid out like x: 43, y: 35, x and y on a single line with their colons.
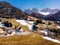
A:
x: 44, y: 13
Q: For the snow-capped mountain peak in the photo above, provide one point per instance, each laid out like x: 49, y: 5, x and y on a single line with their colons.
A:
x: 46, y: 11
x: 31, y: 10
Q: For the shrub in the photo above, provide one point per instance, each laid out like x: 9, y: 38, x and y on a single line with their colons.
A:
x: 7, y: 24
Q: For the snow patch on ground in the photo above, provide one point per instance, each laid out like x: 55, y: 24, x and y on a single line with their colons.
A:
x: 23, y: 22
x: 23, y: 33
x: 58, y: 26
x: 13, y: 33
x: 48, y: 38
x: 1, y: 25
x: 54, y: 40
x: 45, y: 32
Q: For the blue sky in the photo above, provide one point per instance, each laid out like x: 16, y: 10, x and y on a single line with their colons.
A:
x: 40, y: 4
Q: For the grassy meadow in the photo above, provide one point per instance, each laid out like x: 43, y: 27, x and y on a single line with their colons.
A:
x: 32, y: 39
